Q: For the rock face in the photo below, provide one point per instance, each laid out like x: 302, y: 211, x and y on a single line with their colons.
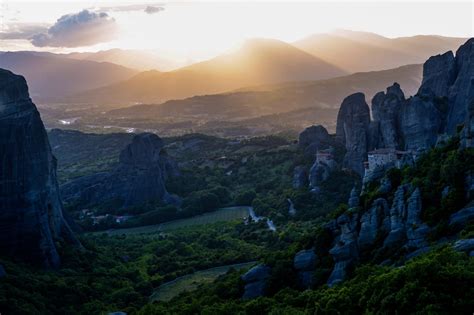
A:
x: 320, y: 171
x: 438, y: 75
x: 444, y: 102
x: 381, y: 227
x: 255, y: 281
x: 352, y: 130
x: 31, y: 217
x: 353, y: 201
x: 313, y: 139
x: 300, y: 175
x: 385, y: 109
x: 373, y: 222
x: 421, y: 121
x: 139, y: 177
x: 305, y: 263
x: 461, y: 92
x: 345, y: 252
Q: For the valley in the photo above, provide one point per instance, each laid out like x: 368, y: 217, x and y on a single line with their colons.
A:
x: 148, y: 168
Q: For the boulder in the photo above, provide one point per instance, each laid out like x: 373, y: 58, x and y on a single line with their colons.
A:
x: 255, y: 281
x: 305, y: 260
x: 31, y: 211
x: 257, y: 273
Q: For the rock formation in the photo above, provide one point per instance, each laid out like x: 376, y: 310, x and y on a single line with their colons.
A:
x: 31, y: 217
x: 444, y: 102
x: 305, y: 263
x: 314, y: 138
x: 381, y: 227
x: 255, y: 281
x: 139, y: 177
x: 322, y: 168
x: 385, y: 109
x: 352, y: 130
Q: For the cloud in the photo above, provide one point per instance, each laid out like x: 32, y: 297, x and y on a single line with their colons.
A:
x: 152, y: 9
x: 147, y: 8
x: 22, y: 30
x: 80, y: 29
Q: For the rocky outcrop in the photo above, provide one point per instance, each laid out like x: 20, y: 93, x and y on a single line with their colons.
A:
x: 305, y: 263
x: 461, y: 92
x: 314, y: 138
x: 354, y: 199
x: 300, y: 177
x: 385, y: 109
x: 255, y: 281
x: 421, y: 121
x: 381, y: 227
x: 373, y: 223
x: 466, y: 245
x: 352, y: 130
x: 321, y: 170
x: 345, y: 252
x: 462, y: 217
x: 139, y: 177
x: 31, y: 214
x: 438, y: 75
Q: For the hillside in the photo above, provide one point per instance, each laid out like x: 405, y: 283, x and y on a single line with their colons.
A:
x: 64, y: 76
x: 258, y: 61
x: 360, y: 51
x: 318, y: 95
x: 134, y: 59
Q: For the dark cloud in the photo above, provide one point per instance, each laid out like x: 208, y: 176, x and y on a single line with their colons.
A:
x: 152, y: 9
x: 80, y: 29
x: 22, y: 30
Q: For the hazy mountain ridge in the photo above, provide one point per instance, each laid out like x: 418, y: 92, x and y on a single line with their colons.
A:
x: 275, y: 99
x: 135, y: 59
x: 361, y: 51
x: 64, y: 76
x: 259, y: 61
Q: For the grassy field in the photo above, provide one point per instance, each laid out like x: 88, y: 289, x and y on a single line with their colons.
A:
x: 224, y: 214
x: 169, y: 290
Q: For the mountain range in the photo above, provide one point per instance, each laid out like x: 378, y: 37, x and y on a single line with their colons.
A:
x: 362, y: 51
x: 114, y: 77
x: 52, y: 76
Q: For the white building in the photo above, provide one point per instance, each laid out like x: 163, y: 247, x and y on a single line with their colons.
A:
x: 382, y: 157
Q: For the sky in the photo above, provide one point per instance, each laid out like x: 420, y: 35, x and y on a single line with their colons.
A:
x: 201, y: 29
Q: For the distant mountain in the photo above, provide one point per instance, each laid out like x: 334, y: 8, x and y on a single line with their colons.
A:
x: 51, y: 76
x: 258, y: 61
x: 361, y: 51
x: 280, y: 98
x: 134, y: 59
